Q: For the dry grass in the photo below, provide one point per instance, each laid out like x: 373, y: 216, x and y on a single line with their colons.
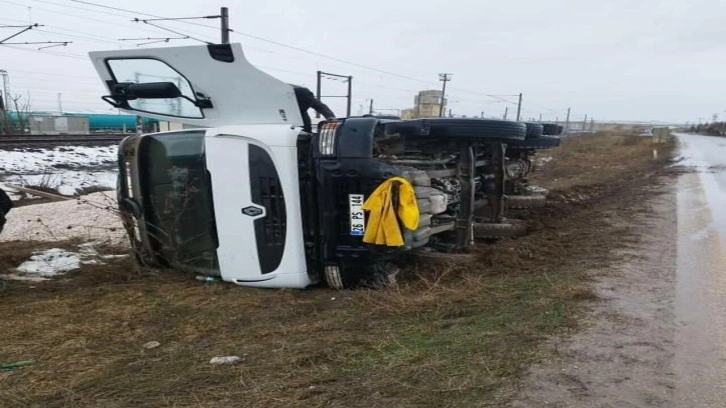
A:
x: 598, y: 160
x: 444, y: 336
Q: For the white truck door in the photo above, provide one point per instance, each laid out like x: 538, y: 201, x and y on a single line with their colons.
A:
x: 205, y: 85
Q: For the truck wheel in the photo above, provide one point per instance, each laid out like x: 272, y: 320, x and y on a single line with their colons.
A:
x: 460, y: 129
x: 542, y: 142
x: 534, y: 130
x: 550, y: 129
x: 518, y: 202
x: 339, y: 278
x: 439, y: 258
x: 510, y: 229
x: 5, y: 205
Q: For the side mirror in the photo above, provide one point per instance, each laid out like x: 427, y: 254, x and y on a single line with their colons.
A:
x: 122, y: 93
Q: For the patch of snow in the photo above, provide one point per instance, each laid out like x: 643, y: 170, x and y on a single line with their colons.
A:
x: 50, y: 263
x: 545, y: 159
x: 55, y: 261
x: 93, y: 217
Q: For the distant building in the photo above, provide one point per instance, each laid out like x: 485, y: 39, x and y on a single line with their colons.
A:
x: 54, y: 122
x: 39, y: 124
x: 427, y: 104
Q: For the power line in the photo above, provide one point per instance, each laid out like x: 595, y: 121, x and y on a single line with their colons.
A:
x: 60, y: 54
x: 84, y: 18
x: 95, y: 38
x: 171, y: 31
x: 277, y: 43
x: 265, y: 40
x: 299, y: 49
x: 81, y: 37
x: 51, y: 74
x: 24, y: 29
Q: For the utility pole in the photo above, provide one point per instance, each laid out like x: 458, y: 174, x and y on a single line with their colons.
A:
x: 350, y: 93
x: 567, y: 121
x: 519, y: 106
x: 318, y: 91
x: 506, y: 111
x: 370, y: 108
x: 443, y: 78
x: 4, y: 116
x: 592, y: 124
x: 450, y: 114
x: 482, y: 115
x: 584, y: 123
x: 319, y: 76
x: 6, y: 87
x: 224, y: 14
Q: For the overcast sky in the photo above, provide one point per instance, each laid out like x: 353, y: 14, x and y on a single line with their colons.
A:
x: 614, y: 60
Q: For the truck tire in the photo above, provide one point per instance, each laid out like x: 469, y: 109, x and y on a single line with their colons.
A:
x: 5, y: 205
x: 519, y: 202
x: 460, y: 129
x: 542, y: 142
x: 510, y: 229
x: 441, y: 258
x: 550, y: 129
x: 534, y: 130
x: 351, y: 277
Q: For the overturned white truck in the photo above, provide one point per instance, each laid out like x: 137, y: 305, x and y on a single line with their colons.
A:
x: 249, y: 196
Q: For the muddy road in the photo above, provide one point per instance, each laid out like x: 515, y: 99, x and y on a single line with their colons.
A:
x: 657, y: 337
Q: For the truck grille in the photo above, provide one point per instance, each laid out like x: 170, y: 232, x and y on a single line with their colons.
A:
x: 271, y: 197
x: 266, y: 191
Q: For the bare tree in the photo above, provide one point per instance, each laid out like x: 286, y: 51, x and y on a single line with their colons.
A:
x: 22, y: 111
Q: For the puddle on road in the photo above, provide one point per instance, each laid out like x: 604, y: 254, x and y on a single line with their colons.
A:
x: 700, y: 358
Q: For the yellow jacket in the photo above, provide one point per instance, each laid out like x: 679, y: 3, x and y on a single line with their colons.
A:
x: 382, y: 226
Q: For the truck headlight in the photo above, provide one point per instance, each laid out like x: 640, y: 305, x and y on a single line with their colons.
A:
x: 327, y: 138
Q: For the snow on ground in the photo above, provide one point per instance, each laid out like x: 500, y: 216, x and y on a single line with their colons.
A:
x: 29, y: 160
x: 55, y: 261
x: 65, y: 168
x: 67, y: 182
x: 45, y: 264
x: 91, y: 218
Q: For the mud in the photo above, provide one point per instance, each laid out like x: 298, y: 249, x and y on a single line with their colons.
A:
x: 657, y: 336
x: 624, y: 356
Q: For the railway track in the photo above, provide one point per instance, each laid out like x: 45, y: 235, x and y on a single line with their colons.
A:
x: 58, y: 139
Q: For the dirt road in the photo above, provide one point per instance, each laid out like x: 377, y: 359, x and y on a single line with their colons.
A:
x: 657, y: 338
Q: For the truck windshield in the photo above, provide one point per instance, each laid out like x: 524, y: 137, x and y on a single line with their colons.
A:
x: 179, y: 209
